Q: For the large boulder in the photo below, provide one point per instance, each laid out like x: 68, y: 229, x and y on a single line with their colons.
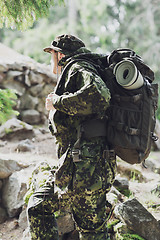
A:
x: 7, y: 167
x: 16, y: 129
x: 139, y: 219
x: 14, y: 190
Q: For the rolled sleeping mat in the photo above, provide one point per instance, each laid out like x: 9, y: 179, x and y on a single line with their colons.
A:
x: 127, y: 75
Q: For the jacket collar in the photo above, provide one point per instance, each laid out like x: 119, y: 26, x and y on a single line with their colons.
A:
x: 65, y: 60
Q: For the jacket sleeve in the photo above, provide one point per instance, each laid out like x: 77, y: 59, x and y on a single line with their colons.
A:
x: 92, y: 95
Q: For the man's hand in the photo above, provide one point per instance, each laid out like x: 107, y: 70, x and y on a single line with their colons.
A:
x: 49, y: 102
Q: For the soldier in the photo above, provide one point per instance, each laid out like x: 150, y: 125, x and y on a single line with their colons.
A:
x: 86, y: 166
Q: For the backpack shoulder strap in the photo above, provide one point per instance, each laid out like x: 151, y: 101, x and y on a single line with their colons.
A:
x: 61, y: 81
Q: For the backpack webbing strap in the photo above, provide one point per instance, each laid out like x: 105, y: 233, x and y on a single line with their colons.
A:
x: 133, y: 99
x: 109, y: 154
x: 76, y: 152
x: 122, y: 127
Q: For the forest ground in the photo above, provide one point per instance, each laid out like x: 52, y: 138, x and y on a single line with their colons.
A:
x: 44, y: 149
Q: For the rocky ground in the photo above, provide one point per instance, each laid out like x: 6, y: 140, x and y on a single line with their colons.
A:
x: 42, y: 147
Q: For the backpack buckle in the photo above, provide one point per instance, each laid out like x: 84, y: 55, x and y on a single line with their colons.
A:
x: 76, y: 155
x: 109, y: 154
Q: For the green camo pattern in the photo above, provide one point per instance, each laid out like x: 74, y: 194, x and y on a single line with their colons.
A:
x: 83, y: 96
x: 80, y: 187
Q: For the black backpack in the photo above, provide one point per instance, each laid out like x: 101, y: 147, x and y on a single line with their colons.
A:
x: 131, y: 115
x: 130, y: 118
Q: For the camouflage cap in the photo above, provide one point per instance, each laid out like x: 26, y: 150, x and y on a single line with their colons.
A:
x: 65, y: 44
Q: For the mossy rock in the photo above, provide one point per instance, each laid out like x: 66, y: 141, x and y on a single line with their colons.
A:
x: 122, y: 232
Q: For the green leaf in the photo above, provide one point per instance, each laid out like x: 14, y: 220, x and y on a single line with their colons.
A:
x: 7, y: 102
x: 21, y: 14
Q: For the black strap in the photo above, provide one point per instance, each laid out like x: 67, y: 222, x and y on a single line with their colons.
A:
x: 122, y: 127
x: 109, y: 154
x: 94, y: 128
x: 133, y: 99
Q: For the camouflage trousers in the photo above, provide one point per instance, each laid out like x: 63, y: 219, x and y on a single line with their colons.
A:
x: 92, y: 178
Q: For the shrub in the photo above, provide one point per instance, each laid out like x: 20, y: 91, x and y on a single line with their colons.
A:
x: 7, y: 102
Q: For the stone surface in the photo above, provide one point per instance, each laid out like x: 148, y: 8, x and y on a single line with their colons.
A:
x: 16, y: 129
x: 26, y: 234
x: 35, y: 78
x: 31, y: 116
x: 28, y: 102
x: 22, y: 221
x: 11, y: 74
x: 139, y: 219
x: 121, y: 183
x: 7, y: 167
x: 3, y: 215
x: 14, y: 190
x: 36, y: 90
x: 27, y: 78
x: 18, y: 87
x: 153, y: 165
x: 25, y: 146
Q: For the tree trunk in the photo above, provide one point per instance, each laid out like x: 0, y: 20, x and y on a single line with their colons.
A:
x: 72, y: 16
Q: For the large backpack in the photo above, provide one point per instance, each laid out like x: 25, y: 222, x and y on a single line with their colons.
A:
x: 131, y: 115
x: 130, y: 118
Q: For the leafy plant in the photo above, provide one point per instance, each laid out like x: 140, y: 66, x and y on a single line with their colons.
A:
x: 21, y: 14
x: 7, y: 102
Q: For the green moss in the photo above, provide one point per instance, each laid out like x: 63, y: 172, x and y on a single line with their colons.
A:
x: 113, y: 223
x: 136, y: 175
x: 23, y: 124
x: 131, y: 237
x: 8, y: 130
x: 125, y: 192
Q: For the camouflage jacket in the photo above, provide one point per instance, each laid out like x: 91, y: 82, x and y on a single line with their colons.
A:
x: 81, y: 95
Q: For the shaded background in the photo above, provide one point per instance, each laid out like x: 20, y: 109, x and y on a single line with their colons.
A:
x: 103, y: 25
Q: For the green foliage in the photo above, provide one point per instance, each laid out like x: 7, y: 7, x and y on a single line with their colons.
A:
x: 103, y: 25
x: 125, y: 192
x: 7, y: 102
x: 111, y: 224
x: 136, y: 175
x: 131, y: 237
x: 21, y: 14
